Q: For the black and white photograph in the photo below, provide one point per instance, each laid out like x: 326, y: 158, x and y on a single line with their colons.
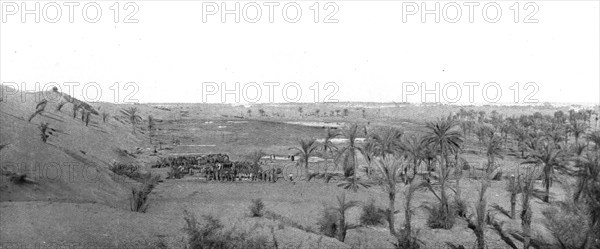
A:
x: 300, y: 124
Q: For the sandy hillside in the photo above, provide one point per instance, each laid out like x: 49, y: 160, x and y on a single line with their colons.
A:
x: 73, y: 164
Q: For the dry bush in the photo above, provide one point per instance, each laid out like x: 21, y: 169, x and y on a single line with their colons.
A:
x: 210, y: 234
x: 257, y: 208
x: 328, y: 223
x: 437, y: 217
x: 372, y: 215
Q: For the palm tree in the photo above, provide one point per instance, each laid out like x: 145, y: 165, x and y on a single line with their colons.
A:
x: 83, y: 112
x: 390, y: 169
x: 523, y: 137
x: 528, y: 192
x: 444, y: 137
x: 577, y: 129
x: 328, y: 147
x: 105, y: 116
x: 466, y: 127
x: 305, y: 151
x: 525, y: 186
x: 387, y: 142
x: 408, y: 240
x: 589, y: 187
x: 348, y: 154
x: 494, y: 148
x: 369, y: 153
x: 484, y: 131
x: 340, y: 211
x: 595, y: 138
x: 389, y: 176
x: 587, y: 170
x: 76, y: 107
x: 150, y: 127
x: 132, y: 114
x: 87, y: 118
x: 413, y: 147
x: 429, y: 156
x: 493, y: 151
x: 549, y: 156
x: 479, y: 224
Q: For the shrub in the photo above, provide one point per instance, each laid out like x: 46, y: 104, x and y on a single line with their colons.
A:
x: 466, y: 165
x: 175, y: 173
x: 408, y: 241
x: 334, y: 218
x: 210, y: 234
x: 257, y: 208
x: 139, y: 200
x: 497, y: 175
x: 18, y: 179
x: 460, y: 207
x: 437, y: 216
x: 372, y: 215
x: 328, y: 223
x: 125, y: 169
x: 43, y: 129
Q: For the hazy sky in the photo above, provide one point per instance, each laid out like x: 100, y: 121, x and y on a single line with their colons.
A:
x: 368, y: 53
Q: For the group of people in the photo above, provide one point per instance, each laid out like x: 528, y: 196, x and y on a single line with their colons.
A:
x: 218, y: 167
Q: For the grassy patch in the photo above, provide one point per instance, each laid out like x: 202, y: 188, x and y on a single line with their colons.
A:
x: 210, y: 234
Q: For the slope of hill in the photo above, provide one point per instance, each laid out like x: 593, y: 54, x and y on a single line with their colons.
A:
x: 73, y: 164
